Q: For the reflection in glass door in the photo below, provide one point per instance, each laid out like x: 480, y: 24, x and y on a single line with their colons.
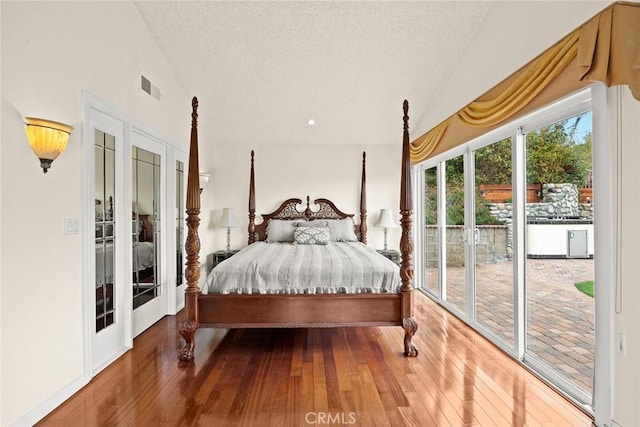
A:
x: 492, y: 240
x: 560, y: 338
x: 147, y: 219
x: 180, y: 211
x: 145, y: 226
x: 105, y: 226
x: 106, y: 237
x: 454, y: 291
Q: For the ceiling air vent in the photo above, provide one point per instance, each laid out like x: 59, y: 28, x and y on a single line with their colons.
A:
x: 149, y: 88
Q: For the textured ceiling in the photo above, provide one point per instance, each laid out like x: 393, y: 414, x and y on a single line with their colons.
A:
x: 262, y: 69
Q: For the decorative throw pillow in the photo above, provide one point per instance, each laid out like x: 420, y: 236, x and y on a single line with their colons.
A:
x: 342, y: 230
x: 281, y: 231
x: 311, y: 235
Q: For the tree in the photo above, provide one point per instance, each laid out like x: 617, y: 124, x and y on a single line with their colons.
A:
x: 555, y: 155
x: 493, y: 163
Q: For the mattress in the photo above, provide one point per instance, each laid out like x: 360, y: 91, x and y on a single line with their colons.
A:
x: 287, y: 268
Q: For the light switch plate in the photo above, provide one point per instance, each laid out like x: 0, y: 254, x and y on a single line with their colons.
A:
x: 71, y: 226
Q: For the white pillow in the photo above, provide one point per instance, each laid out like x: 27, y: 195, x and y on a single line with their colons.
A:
x: 342, y: 230
x: 314, y: 223
x: 281, y: 231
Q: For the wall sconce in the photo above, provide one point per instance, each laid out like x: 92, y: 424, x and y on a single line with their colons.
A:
x: 228, y: 219
x: 385, y: 220
x: 47, y: 139
x: 204, y: 180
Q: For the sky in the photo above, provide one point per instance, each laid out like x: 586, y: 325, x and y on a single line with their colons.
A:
x: 584, y: 126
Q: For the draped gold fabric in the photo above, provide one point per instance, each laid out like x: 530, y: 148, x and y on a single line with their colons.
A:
x: 609, y: 48
x: 424, y: 145
x: 605, y: 49
x: 528, y: 83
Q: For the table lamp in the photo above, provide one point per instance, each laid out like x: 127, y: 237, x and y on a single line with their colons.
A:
x: 385, y: 220
x: 228, y: 220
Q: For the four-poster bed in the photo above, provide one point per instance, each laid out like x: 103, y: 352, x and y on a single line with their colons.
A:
x: 365, y: 305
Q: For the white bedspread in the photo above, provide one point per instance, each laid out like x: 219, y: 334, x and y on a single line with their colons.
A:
x: 285, y: 268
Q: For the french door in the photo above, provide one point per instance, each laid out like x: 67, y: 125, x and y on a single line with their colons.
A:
x: 148, y: 272
x: 133, y: 217
x: 105, y: 291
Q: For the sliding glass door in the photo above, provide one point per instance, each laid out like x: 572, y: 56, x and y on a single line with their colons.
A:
x: 492, y: 240
x: 559, y: 258
x: 509, y: 241
x: 454, y: 289
x: 432, y: 241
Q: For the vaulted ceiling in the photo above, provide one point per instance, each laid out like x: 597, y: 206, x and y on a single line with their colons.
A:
x: 262, y: 69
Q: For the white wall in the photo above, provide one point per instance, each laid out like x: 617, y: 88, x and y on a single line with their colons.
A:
x: 51, y: 51
x: 626, y: 296
x: 286, y: 171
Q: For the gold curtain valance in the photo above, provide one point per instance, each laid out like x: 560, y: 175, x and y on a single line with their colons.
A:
x: 605, y: 49
x: 424, y: 145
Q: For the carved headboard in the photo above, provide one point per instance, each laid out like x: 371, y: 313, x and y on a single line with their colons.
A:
x: 288, y: 209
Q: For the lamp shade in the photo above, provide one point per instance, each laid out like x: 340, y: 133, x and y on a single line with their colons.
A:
x: 47, y: 139
x: 385, y: 219
x: 228, y: 218
x: 204, y: 180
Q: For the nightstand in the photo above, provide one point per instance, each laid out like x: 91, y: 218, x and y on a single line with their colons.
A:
x: 392, y: 254
x: 218, y: 256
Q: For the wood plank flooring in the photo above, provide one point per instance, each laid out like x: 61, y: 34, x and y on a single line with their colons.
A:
x: 299, y: 377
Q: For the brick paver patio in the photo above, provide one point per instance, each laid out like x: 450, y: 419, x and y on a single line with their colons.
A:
x: 560, y: 318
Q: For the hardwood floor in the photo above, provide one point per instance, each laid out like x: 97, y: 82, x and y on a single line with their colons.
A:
x: 297, y: 377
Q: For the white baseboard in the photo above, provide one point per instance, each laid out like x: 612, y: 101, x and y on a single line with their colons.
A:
x: 45, y: 407
x: 51, y: 403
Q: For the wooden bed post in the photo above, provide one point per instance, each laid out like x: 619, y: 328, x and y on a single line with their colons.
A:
x: 406, y: 243
x: 252, y: 205
x: 188, y: 328
x: 363, y: 200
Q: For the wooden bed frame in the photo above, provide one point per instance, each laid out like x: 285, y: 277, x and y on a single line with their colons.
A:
x: 288, y: 311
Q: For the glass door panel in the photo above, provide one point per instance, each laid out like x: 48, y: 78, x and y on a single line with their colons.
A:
x: 180, y: 212
x: 559, y: 249
x: 455, y: 288
x: 106, y: 280
x: 146, y: 226
x: 104, y: 229
x: 432, y: 233
x: 493, y: 239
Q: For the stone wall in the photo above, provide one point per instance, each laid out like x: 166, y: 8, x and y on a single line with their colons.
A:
x: 558, y: 201
x: 495, y: 242
x: 493, y: 245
